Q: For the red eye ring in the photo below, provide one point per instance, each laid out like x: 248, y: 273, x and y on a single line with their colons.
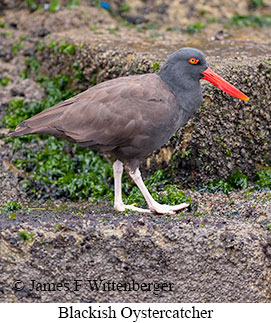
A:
x: 193, y: 60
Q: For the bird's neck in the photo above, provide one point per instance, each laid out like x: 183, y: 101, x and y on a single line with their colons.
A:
x: 186, y: 91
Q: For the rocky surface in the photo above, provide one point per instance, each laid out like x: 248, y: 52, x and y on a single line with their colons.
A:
x: 221, y: 255
x: 206, y: 259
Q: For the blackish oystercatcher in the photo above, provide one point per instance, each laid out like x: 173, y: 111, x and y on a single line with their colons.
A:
x: 129, y: 117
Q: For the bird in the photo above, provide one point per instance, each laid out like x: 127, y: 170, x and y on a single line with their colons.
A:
x: 131, y: 116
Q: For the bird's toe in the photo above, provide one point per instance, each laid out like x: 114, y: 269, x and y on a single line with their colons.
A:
x: 121, y: 207
x: 167, y: 209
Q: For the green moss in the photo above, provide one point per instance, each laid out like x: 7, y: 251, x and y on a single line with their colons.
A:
x: 67, y: 48
x: 54, y: 6
x: 2, y: 25
x: 28, y: 237
x: 16, y: 48
x: 156, y: 67
x: 33, y: 64
x: 195, y: 28
x: 71, y: 49
x: 156, y: 35
x: 73, y: 3
x: 151, y: 26
x: 264, y: 178
x: 113, y: 30
x: 62, y: 46
x: 256, y: 3
x: 124, y: 7
x: 219, y: 186
x: 251, y: 21
x: 187, y: 154
x: 57, y: 226
x: 198, y: 214
x: 238, y: 180
x: 8, y: 34
x: 212, y: 20
x: 12, y: 216
x: 93, y: 80
x: 78, y: 72
x: 52, y: 45
x: 32, y: 4
x: 40, y: 45
x: 94, y: 27
x: 11, y: 206
x: 24, y: 74
x: 4, y: 81
x: 18, y: 111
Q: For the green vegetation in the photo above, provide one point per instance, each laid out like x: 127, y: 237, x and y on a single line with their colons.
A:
x: 156, y: 35
x: 54, y: 6
x: 2, y: 25
x: 195, y: 28
x: 94, y: 27
x: 67, y: 48
x: 156, y: 67
x: 236, y: 181
x: 32, y: 64
x: 240, y: 181
x: 251, y: 21
x: 4, y: 81
x: 73, y: 3
x: 40, y: 45
x: 124, y: 7
x: 78, y: 72
x: 16, y: 48
x: 10, y: 206
x: 219, y: 186
x: 264, y: 178
x: 113, y: 30
x: 9, y: 34
x: 12, y: 216
x: 212, y: 20
x: 28, y: 237
x: 55, y: 47
x: 256, y: 3
x: 78, y: 174
x: 32, y: 5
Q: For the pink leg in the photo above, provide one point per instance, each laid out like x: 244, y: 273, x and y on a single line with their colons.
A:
x: 118, y: 203
x: 153, y: 205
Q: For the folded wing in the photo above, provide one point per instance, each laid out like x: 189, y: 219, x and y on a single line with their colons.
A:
x: 108, y: 115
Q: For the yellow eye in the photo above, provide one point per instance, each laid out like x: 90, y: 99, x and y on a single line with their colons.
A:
x: 193, y: 60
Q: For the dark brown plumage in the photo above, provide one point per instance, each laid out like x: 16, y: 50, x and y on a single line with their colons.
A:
x: 123, y: 116
x: 129, y: 117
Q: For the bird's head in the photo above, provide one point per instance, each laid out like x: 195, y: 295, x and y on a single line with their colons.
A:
x: 188, y: 65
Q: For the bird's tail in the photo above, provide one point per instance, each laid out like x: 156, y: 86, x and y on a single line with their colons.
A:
x: 42, y: 123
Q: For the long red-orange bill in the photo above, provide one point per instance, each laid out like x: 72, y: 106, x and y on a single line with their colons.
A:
x: 223, y: 85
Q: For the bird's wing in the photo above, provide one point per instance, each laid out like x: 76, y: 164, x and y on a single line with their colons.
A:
x: 110, y: 114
